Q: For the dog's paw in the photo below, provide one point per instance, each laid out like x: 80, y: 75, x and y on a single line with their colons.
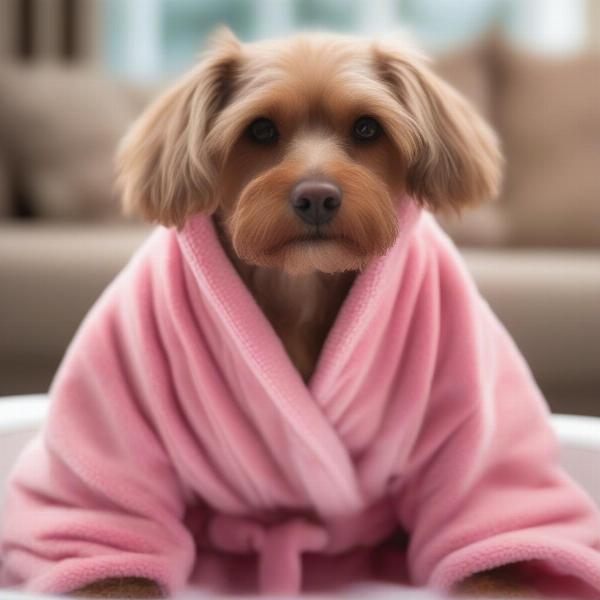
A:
x: 503, y: 582
x: 124, y: 588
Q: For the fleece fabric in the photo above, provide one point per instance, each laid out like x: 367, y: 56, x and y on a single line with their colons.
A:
x: 183, y: 446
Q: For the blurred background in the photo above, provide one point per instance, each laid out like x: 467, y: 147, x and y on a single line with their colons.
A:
x: 75, y: 73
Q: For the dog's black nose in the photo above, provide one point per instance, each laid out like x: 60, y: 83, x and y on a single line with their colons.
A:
x: 316, y: 202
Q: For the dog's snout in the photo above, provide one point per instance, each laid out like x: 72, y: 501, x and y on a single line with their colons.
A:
x: 316, y: 202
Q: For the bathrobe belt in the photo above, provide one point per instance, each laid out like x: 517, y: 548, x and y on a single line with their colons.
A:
x: 280, y: 546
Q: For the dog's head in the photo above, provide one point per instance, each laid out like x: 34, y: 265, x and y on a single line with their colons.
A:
x: 304, y: 146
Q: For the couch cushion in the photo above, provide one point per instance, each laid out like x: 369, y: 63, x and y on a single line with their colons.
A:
x: 549, y: 120
x: 60, y: 127
x: 486, y: 225
x: 5, y: 199
x: 549, y: 301
x: 51, y: 274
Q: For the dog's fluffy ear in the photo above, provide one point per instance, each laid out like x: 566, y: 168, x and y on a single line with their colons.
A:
x: 166, y: 171
x: 454, y: 158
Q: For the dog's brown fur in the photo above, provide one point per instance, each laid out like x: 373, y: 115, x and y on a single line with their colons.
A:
x: 189, y: 154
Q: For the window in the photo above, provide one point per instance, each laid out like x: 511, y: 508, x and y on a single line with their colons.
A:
x: 149, y: 39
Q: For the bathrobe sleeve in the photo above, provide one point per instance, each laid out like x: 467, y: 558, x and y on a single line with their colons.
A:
x: 485, y: 487
x: 95, y: 495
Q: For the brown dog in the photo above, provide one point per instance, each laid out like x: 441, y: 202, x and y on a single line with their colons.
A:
x: 299, y: 148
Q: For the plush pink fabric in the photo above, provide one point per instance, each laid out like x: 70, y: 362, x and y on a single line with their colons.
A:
x: 183, y: 446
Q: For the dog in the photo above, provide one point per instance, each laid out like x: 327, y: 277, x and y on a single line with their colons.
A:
x: 294, y: 136
x: 304, y: 152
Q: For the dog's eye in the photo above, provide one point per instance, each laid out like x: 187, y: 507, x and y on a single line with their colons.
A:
x: 366, y: 129
x: 263, y: 131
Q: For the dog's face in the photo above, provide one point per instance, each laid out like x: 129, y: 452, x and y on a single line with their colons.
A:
x: 304, y: 147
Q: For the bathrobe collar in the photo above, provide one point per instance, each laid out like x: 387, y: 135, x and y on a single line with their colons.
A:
x: 324, y: 464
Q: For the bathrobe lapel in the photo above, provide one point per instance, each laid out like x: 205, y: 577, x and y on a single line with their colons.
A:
x: 317, y: 454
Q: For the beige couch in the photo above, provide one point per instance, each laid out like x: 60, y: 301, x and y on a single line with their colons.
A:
x: 535, y: 254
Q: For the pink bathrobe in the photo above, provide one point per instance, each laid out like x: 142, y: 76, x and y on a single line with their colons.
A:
x: 183, y: 446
